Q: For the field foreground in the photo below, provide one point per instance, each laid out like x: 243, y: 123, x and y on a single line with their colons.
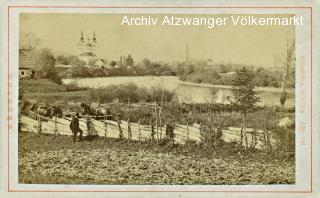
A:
x: 48, y: 159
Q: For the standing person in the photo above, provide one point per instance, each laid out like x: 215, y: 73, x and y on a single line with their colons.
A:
x: 92, y: 133
x: 74, y: 126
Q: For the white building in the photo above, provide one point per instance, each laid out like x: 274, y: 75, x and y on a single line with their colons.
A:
x: 87, y: 48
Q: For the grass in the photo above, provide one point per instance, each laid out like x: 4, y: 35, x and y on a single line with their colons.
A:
x: 48, y: 159
x: 51, y: 97
x: 47, y: 91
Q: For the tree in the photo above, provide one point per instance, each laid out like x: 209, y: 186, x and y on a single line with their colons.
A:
x: 243, y: 97
x: 129, y: 61
x: 146, y: 62
x: 180, y: 69
x: 113, y: 63
x: 77, y: 72
x: 61, y: 59
x: 222, y: 69
x: 189, y: 69
x: 44, y: 62
x: 289, y: 61
x: 74, y: 61
x: 92, y: 62
x: 96, y: 72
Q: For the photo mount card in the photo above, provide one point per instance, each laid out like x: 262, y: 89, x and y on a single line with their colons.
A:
x: 157, y: 99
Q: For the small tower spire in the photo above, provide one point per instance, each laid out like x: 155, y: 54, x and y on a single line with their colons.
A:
x: 94, y: 39
x: 81, y: 37
x: 81, y: 41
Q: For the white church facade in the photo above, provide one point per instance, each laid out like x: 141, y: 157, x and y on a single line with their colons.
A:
x: 87, y: 48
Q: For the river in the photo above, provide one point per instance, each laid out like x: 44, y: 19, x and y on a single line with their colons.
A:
x: 185, y: 91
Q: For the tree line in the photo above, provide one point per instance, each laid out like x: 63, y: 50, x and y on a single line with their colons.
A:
x: 45, y: 63
x: 224, y: 74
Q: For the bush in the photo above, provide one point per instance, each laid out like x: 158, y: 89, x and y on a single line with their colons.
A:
x: 46, y: 85
x: 210, y: 134
x: 284, y: 141
x: 130, y: 93
x: 73, y: 86
x: 40, y: 85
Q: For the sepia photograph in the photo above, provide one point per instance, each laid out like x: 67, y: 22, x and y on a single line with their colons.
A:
x: 156, y: 99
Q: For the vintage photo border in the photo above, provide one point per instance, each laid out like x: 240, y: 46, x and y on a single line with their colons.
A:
x: 145, y: 189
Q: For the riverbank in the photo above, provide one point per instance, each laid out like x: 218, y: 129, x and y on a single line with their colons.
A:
x: 258, y: 89
x: 155, y: 81
x: 81, y: 89
x: 188, y: 92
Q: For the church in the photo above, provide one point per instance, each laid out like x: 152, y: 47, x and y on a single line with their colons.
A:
x: 88, y: 48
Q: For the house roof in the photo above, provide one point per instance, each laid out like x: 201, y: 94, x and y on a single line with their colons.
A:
x: 25, y: 59
x: 25, y: 68
x: 101, y: 60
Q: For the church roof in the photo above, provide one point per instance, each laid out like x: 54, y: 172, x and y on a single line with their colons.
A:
x: 25, y: 59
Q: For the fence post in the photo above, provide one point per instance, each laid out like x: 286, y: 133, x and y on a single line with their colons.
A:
x: 129, y: 131
x: 156, y: 114
x: 160, y: 123
x: 120, y: 130
x: 152, y: 130
x: 39, y: 120
x: 129, y: 125
x: 173, y: 135
x: 187, y: 132
x: 55, y: 125
x: 105, y: 127
x: 88, y: 124
x: 139, y: 136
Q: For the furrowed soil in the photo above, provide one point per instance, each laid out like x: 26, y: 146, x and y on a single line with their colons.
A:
x: 49, y: 159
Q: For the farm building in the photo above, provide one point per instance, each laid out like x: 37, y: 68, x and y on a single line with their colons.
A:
x: 25, y: 64
x: 100, y: 63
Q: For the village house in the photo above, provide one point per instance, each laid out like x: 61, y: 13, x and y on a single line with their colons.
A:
x: 26, y: 69
x: 100, y: 63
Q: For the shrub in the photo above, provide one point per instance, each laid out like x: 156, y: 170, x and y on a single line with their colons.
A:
x: 210, y: 135
x: 130, y: 93
x: 73, y: 86
x: 41, y: 85
x: 284, y: 141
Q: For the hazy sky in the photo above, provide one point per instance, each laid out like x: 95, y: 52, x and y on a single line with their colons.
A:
x: 255, y: 45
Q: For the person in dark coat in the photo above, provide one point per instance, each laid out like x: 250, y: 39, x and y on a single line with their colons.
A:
x: 74, y: 126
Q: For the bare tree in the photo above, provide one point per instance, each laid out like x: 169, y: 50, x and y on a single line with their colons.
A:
x: 288, y: 62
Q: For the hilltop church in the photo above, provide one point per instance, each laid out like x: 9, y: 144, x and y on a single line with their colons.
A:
x: 87, y: 48
x: 88, y: 54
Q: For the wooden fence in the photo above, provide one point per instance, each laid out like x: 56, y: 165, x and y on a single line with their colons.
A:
x: 128, y: 130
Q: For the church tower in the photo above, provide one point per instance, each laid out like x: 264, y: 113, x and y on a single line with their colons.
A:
x: 81, y: 42
x: 87, y: 47
x: 93, y: 42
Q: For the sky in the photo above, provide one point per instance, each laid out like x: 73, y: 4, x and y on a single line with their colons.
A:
x: 254, y: 45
